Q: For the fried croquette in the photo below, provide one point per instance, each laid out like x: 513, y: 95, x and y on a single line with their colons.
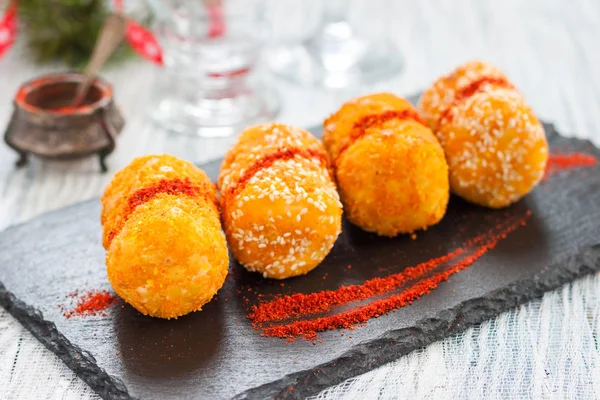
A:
x: 390, y: 168
x: 167, y: 254
x: 280, y: 208
x: 495, y: 146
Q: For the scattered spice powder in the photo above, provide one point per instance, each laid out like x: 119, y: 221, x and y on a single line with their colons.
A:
x: 306, y: 304
x: 301, y: 304
x: 94, y: 302
x: 558, y: 162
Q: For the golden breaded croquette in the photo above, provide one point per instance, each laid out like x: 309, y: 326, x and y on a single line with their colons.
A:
x: 167, y: 254
x: 144, y: 172
x: 280, y: 210
x: 390, y: 168
x: 170, y: 258
x: 495, y: 146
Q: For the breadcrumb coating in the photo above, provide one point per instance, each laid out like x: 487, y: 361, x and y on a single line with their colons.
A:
x: 170, y: 258
x: 167, y: 254
x: 144, y: 172
x: 390, y: 168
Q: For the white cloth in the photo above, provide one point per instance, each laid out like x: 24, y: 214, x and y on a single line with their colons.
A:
x: 543, y: 350
x: 547, y: 349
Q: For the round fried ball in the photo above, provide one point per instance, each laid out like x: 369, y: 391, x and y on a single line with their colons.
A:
x: 143, y: 172
x: 280, y: 209
x: 391, y: 172
x: 495, y: 146
x: 170, y: 258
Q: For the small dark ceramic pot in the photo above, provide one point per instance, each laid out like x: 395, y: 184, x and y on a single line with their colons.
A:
x: 44, y: 124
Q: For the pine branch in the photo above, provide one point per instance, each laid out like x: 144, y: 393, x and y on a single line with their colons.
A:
x: 65, y: 30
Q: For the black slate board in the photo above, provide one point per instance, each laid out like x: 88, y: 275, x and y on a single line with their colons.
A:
x: 217, y: 354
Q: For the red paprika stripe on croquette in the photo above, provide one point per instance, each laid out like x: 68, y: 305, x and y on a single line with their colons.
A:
x: 183, y: 187
x: 167, y: 254
x: 390, y: 168
x: 145, y: 172
x: 479, y: 85
x: 362, y: 126
x: 280, y: 209
x: 443, y: 92
x: 268, y: 160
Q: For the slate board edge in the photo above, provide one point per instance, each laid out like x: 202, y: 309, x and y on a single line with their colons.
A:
x: 362, y: 358
x: 394, y: 344
x: 79, y: 361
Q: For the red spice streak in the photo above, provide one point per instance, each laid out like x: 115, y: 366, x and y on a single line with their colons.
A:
x: 92, y: 303
x: 230, y: 74
x: 170, y: 186
x: 559, y: 162
x: 348, y: 319
x: 312, y: 303
x: 376, y: 120
x: 474, y: 87
x: 269, y: 159
x: 301, y: 304
x: 216, y: 26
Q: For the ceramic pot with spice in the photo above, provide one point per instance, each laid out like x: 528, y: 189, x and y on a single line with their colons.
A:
x: 45, y: 123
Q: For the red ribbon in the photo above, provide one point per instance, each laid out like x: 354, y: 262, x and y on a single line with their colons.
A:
x: 216, y: 27
x: 141, y: 40
x: 8, y: 28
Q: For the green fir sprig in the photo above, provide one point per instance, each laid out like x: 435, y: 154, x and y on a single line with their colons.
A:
x: 65, y: 30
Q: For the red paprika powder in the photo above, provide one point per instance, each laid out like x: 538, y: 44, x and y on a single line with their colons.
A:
x: 558, y: 162
x: 422, y: 275
x: 92, y: 303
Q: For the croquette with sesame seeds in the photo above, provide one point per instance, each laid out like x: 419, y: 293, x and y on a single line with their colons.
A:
x: 280, y: 208
x: 495, y: 146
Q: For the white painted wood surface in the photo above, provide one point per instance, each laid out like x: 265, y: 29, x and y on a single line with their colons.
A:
x: 550, y: 49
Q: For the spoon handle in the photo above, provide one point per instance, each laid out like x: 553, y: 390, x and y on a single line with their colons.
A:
x: 111, y: 35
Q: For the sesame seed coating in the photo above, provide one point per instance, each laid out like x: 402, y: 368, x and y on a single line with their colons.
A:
x: 495, y: 146
x: 280, y: 208
x: 438, y: 98
x: 390, y: 168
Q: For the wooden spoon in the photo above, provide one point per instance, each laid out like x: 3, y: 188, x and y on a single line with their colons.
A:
x: 111, y: 35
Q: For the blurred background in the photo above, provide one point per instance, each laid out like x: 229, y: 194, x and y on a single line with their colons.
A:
x: 203, y: 70
x: 190, y: 75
